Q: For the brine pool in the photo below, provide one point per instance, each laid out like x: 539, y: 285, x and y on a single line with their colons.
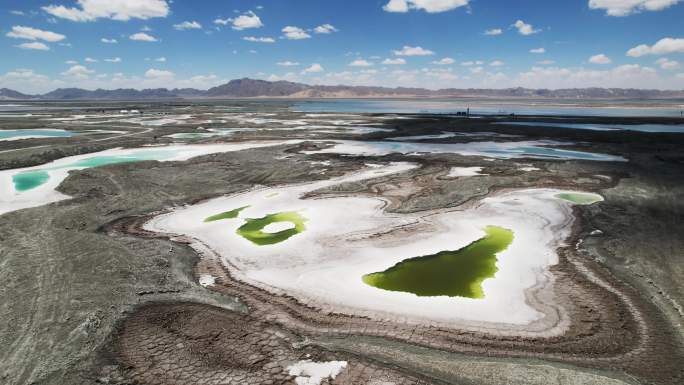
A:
x: 34, y: 186
x: 6, y: 135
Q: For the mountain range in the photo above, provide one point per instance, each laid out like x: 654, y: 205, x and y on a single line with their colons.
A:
x: 252, y: 88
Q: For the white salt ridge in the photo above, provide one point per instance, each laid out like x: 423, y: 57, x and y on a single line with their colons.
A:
x: 347, y: 237
x: 277, y: 227
x: 313, y: 373
x: 58, y: 170
x: 207, y: 280
x: 457, y: 172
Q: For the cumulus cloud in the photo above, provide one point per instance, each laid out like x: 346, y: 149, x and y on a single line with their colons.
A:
x: 444, y: 61
x: 314, y: 68
x: 546, y: 62
x: 538, y: 50
x: 600, y: 59
x: 142, y: 36
x: 155, y: 73
x: 413, y: 51
x: 397, y: 61
x: 295, y: 33
x: 668, y: 64
x: 472, y: 63
x: 496, y: 63
x: 287, y: 63
x: 360, y: 63
x: 114, y: 60
x: 259, y: 39
x: 493, y: 32
x: 90, y: 10
x: 524, y: 28
x: 429, y: 6
x: 28, y: 33
x: 628, y: 7
x: 108, y: 41
x: 664, y: 46
x: 78, y: 71
x: 160, y: 59
x: 34, y: 45
x: 247, y: 20
x: 90, y: 60
x: 184, y: 26
x: 325, y: 29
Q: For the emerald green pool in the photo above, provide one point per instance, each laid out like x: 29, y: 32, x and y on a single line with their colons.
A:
x: 579, y: 198
x: 252, y: 229
x: 29, y: 179
x: 226, y: 215
x: 458, y: 273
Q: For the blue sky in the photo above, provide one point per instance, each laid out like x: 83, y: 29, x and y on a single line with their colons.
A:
x: 47, y: 44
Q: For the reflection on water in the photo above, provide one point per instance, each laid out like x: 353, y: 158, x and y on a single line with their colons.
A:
x: 605, y: 127
x: 487, y: 107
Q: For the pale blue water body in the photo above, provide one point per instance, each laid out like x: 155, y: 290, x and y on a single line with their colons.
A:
x: 669, y: 128
x: 484, y: 107
x: 501, y: 150
x: 34, y: 133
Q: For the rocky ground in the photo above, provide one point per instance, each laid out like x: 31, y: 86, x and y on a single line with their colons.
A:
x: 88, y: 297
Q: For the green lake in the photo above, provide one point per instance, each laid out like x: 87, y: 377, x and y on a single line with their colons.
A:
x: 28, y: 180
x: 252, y: 229
x: 579, y: 198
x: 227, y: 215
x: 458, y: 273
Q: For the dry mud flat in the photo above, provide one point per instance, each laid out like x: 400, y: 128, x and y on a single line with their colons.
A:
x: 91, y: 297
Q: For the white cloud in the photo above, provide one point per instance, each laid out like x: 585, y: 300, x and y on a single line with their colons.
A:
x: 16, y: 12
x: 247, y: 20
x: 624, y: 76
x: 668, y: 64
x: 142, y: 36
x: 397, y: 61
x: 546, y: 62
x: 295, y: 33
x: 114, y: 60
x: 680, y: 76
x: 664, y: 46
x: 28, y: 33
x: 476, y: 70
x: 538, y: 50
x: 160, y: 59
x: 287, y: 63
x: 444, y: 61
x: 27, y: 80
x: 524, y: 28
x: 259, y: 39
x: 90, y: 10
x: 325, y: 28
x: 600, y: 59
x: 34, y: 45
x: 71, y: 62
x: 78, y: 71
x: 155, y: 73
x: 360, y: 63
x: 108, y: 41
x: 430, y: 6
x: 627, y: 7
x: 472, y: 63
x: 413, y: 51
x: 496, y: 63
x: 187, y: 25
x: 314, y: 68
x: 90, y: 60
x: 493, y: 32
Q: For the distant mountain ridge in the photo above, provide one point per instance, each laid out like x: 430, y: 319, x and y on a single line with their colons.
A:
x: 252, y: 88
